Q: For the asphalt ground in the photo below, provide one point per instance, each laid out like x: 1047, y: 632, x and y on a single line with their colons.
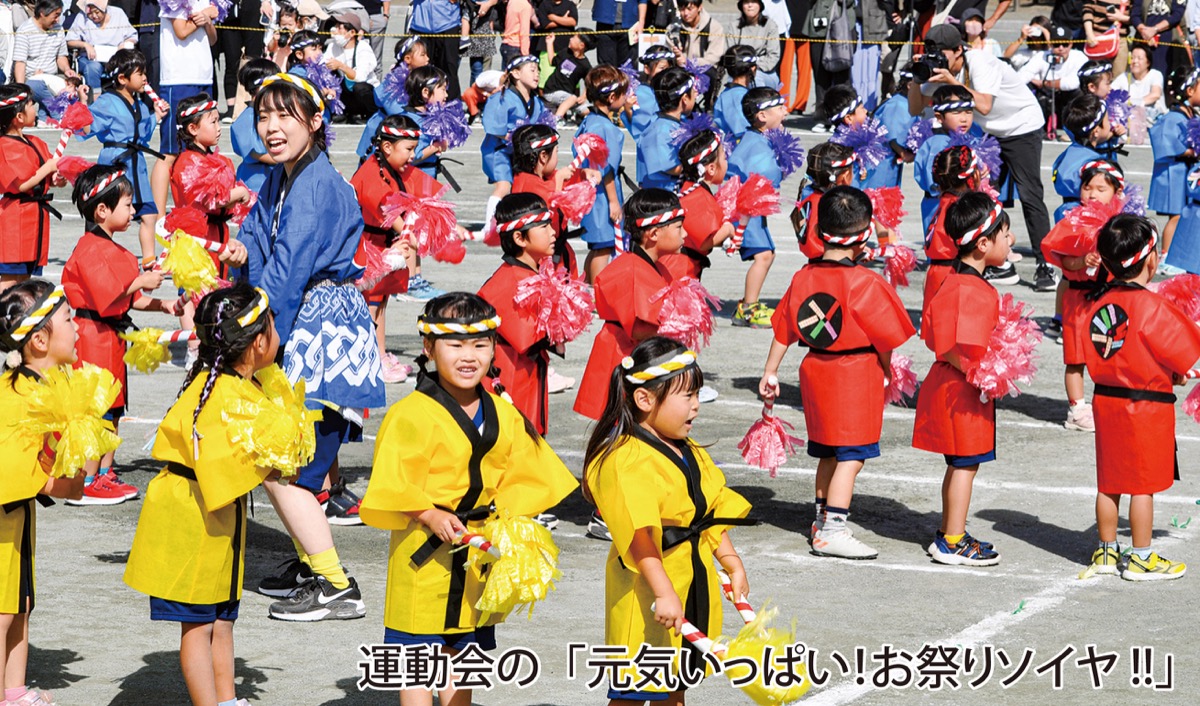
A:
x: 93, y: 643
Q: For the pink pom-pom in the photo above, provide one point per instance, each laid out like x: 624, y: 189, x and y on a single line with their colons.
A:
x: 1010, y: 357
x: 385, y: 271
x: 686, y: 315
x: 596, y: 148
x: 491, y: 236
x: 240, y: 210
x: 1191, y: 404
x: 429, y: 222
x: 211, y: 178
x: 70, y: 167
x: 900, y: 261
x: 75, y: 118
x: 452, y: 252
x: 903, y: 384
x: 1138, y: 126
x: 561, y: 304
x: 575, y: 201
x: 769, y: 442
x: 1086, y: 221
x: 757, y: 197
x: 1183, y: 291
x: 727, y: 196
x: 887, y: 202
x: 220, y: 284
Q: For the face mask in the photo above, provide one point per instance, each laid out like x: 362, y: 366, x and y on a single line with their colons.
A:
x: 974, y: 29
x: 340, y: 39
x: 312, y: 24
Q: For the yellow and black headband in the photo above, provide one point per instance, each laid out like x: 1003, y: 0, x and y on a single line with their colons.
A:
x: 300, y: 83
x: 664, y: 366
x: 39, y: 315
x: 457, y: 328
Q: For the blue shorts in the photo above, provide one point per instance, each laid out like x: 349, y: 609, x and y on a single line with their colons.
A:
x: 843, y: 453
x: 178, y: 612
x: 145, y: 209
x: 968, y: 461
x: 638, y: 695
x: 749, y: 253
x: 333, y: 430
x: 28, y: 269
x: 484, y: 637
x: 114, y: 414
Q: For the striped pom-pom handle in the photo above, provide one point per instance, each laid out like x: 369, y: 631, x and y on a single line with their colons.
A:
x: 61, y: 147
x: 1192, y: 374
x: 583, y: 150
x: 743, y: 608
x: 155, y: 99
x: 479, y: 542
x: 768, y: 410
x: 177, y: 335
x: 703, y: 643
x: 735, y: 241
x: 619, y: 238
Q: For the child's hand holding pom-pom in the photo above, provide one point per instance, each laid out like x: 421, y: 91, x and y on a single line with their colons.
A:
x: 72, y: 403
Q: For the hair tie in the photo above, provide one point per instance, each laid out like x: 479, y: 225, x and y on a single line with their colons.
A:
x: 664, y: 366
x: 852, y: 239
x: 988, y: 221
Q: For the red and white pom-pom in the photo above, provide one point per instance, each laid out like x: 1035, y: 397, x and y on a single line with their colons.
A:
x: 988, y: 188
x: 384, y: 271
x: 241, y: 209
x: 903, y: 384
x: 429, y: 222
x: 75, y: 118
x: 1011, y: 353
x: 887, y: 203
x: 188, y: 219
x: 561, y: 304
x: 757, y: 197
x: 1085, y: 222
x: 900, y: 260
x: 211, y: 179
x: 727, y: 197
x: 769, y: 442
x: 575, y: 201
x: 1183, y: 291
x: 1191, y: 404
x: 70, y: 167
x: 452, y: 252
x: 687, y: 312
x: 590, y: 148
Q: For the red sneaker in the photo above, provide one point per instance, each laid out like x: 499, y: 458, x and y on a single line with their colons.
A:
x: 114, y: 480
x: 100, y: 492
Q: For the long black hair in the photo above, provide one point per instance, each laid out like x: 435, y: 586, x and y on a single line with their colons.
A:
x: 15, y: 304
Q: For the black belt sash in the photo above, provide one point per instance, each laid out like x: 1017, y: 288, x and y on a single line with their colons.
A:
x: 946, y: 263
x: 1129, y: 393
x: 864, y: 350
x: 440, y: 170
x: 121, y: 323
x: 1087, y: 285
x: 42, y: 200
x: 181, y: 470
x: 42, y: 500
x: 700, y: 258
x: 130, y: 148
x: 466, y: 509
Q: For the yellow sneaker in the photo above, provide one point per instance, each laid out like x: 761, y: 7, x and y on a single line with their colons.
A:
x: 1104, y: 561
x: 756, y: 315
x: 1154, y: 568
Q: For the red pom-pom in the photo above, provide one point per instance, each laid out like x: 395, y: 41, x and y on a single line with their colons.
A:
x: 687, y: 312
x: 452, y: 252
x: 575, y: 201
x: 561, y: 304
x: 491, y: 236
x: 240, y: 210
x: 1191, y: 404
x: 188, y: 219
x: 1010, y: 357
x: 769, y: 442
x: 211, y: 179
x: 727, y: 197
x: 903, y: 384
x: 75, y: 118
x: 900, y: 260
x: 70, y: 167
x: 757, y: 197
x: 1183, y: 291
x: 384, y: 270
x: 428, y: 222
x: 887, y: 202
x: 596, y: 147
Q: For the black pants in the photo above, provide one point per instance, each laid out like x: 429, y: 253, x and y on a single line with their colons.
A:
x: 443, y: 53
x: 148, y: 45
x: 823, y: 80
x: 613, y: 49
x: 1055, y: 103
x: 1021, y: 157
x: 359, y: 100
x: 232, y: 42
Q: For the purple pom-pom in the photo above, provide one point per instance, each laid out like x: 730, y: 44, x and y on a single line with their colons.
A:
x: 698, y: 72
x: 987, y: 148
x: 690, y: 127
x: 632, y: 74
x: 1193, y: 135
x: 325, y: 81
x: 1117, y: 102
x: 546, y: 118
x: 446, y: 122
x: 330, y: 136
x: 222, y: 9
x: 868, y: 140
x: 58, y: 105
x: 921, y: 131
x: 1135, y: 203
x: 789, y: 153
x: 176, y: 7
x: 394, y: 84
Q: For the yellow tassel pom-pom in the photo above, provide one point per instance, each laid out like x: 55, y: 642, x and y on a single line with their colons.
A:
x: 145, y: 353
x: 277, y: 432
x: 71, y: 403
x: 527, y: 570
x: 751, y: 643
x: 189, y: 263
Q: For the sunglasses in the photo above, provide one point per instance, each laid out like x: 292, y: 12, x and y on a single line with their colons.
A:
x: 1057, y: 45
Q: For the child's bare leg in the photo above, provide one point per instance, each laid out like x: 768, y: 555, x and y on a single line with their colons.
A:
x: 596, y: 261
x: 416, y: 697
x: 1073, y: 380
x: 16, y: 648
x: 7, y: 281
x: 301, y: 514
x: 1169, y: 233
x: 379, y: 316
x: 196, y: 659
x: 1108, y: 509
x: 841, y: 485
x: 146, y: 236
x: 956, y: 499
x: 756, y: 275
x: 222, y: 660
x: 1141, y: 520
x: 825, y: 470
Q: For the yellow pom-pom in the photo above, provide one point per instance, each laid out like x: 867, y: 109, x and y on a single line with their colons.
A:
x: 189, y: 263
x: 71, y: 403
x: 145, y: 353
x: 277, y: 432
x: 527, y: 570
x: 751, y: 643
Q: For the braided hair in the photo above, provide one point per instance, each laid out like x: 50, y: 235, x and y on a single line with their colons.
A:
x: 948, y: 168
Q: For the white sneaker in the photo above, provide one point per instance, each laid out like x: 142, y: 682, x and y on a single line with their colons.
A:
x: 1079, y: 417
x: 598, y: 528
x: 547, y: 520
x: 708, y: 394
x: 840, y: 543
x: 556, y: 383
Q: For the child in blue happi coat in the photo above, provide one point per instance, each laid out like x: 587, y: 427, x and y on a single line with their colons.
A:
x: 644, y: 108
x: 658, y: 161
x: 607, y: 90
x: 516, y: 104
x: 1172, y: 156
x: 741, y: 63
x: 953, y: 113
x: 1086, y: 120
x: 391, y: 95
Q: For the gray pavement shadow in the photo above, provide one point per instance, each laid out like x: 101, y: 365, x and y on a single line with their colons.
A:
x: 786, y: 515
x: 50, y: 669
x: 1073, y: 545
x: 113, y: 558
x: 162, y: 675
x: 888, y: 517
x: 1044, y: 409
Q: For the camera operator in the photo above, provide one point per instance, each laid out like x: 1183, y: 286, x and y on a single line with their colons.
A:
x: 1053, y: 75
x: 1032, y: 40
x: 1005, y: 109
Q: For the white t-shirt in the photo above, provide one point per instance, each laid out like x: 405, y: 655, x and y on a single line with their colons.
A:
x: 363, y: 60
x: 186, y: 62
x: 1015, y: 110
x: 1065, y: 71
x: 1138, y: 90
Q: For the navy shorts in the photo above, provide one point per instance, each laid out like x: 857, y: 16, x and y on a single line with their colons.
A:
x: 843, y: 453
x: 606, y: 245
x: 178, y: 612
x: 144, y: 209
x: 749, y: 253
x: 484, y: 637
x: 968, y: 461
x: 333, y: 430
x: 114, y: 414
x: 638, y: 695
x: 29, y: 269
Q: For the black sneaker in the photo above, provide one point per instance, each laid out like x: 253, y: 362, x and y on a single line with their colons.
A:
x: 342, y: 506
x: 1003, y: 275
x: 1045, y: 279
x: 319, y: 600
x: 1054, y: 330
x: 291, y: 577
x: 598, y: 528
